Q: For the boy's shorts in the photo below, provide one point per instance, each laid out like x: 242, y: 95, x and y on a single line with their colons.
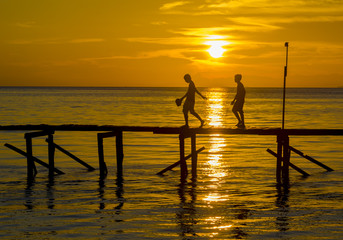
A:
x: 238, y: 106
x: 188, y: 106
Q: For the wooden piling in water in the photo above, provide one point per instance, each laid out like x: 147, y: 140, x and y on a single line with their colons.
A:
x: 183, y: 164
x: 283, y: 149
x: 178, y: 162
x: 185, y: 133
x: 311, y: 159
x: 194, y: 156
x: 51, y: 149
x: 102, y: 164
x: 58, y: 147
x: 31, y: 168
x: 305, y: 174
x: 279, y: 159
x: 285, y: 160
x: 282, y: 162
x: 119, y: 151
x: 33, y: 158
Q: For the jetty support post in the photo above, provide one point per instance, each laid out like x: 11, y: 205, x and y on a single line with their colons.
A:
x: 194, y: 156
x: 57, y: 171
x: 102, y: 164
x: 310, y: 159
x: 72, y: 156
x: 279, y: 159
x: 178, y: 162
x: 119, y: 151
x: 283, y: 159
x: 183, y: 134
x: 183, y: 164
x: 51, y: 148
x: 305, y: 174
x: 31, y: 168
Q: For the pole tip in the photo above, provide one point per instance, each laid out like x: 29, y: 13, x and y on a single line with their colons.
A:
x: 286, y: 44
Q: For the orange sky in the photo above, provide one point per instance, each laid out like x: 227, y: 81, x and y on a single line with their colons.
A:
x: 154, y: 43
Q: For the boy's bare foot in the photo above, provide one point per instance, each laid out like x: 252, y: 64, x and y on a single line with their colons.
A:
x: 202, y: 123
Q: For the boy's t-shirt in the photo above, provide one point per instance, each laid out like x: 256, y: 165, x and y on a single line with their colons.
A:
x: 191, y: 92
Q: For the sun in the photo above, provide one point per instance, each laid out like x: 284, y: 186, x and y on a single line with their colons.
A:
x: 216, y: 49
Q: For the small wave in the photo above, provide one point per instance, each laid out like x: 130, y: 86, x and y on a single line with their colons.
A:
x: 76, y: 106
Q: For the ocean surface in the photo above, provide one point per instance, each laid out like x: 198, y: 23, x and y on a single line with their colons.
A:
x: 234, y: 196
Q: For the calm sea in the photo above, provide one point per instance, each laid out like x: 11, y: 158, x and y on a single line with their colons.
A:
x: 234, y: 196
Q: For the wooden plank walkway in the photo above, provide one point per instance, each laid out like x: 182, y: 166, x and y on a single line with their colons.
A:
x: 172, y: 130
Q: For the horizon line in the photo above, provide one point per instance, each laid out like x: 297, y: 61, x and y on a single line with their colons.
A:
x: 151, y: 87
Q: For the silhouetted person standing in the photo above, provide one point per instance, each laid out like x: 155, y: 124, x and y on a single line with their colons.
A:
x: 188, y: 106
x: 238, y: 102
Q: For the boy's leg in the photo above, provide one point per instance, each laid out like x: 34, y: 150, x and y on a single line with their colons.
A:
x: 237, y: 116
x: 198, y: 117
x: 185, y: 114
x: 242, y: 117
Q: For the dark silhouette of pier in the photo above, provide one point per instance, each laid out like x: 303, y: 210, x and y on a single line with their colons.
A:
x: 105, y: 131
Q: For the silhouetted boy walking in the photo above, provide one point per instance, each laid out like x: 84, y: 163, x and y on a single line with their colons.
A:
x: 238, y: 102
x: 188, y: 106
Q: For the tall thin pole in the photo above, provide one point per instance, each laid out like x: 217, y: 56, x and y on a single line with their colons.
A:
x: 284, y: 87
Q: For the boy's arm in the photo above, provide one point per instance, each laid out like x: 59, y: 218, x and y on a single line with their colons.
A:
x: 233, y: 101
x: 196, y: 90
x: 184, y: 96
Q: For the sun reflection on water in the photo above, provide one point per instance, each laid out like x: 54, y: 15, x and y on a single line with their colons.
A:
x: 215, y: 109
x: 215, y: 197
x: 216, y: 170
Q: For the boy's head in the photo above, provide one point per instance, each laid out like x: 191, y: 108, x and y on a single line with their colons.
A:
x: 187, y: 78
x: 238, y: 77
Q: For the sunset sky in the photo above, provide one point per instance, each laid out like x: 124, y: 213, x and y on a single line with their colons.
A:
x: 154, y: 42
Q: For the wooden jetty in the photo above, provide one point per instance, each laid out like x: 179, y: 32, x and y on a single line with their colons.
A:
x: 105, y: 131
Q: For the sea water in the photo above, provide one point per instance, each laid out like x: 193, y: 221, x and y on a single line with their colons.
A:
x: 233, y: 197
